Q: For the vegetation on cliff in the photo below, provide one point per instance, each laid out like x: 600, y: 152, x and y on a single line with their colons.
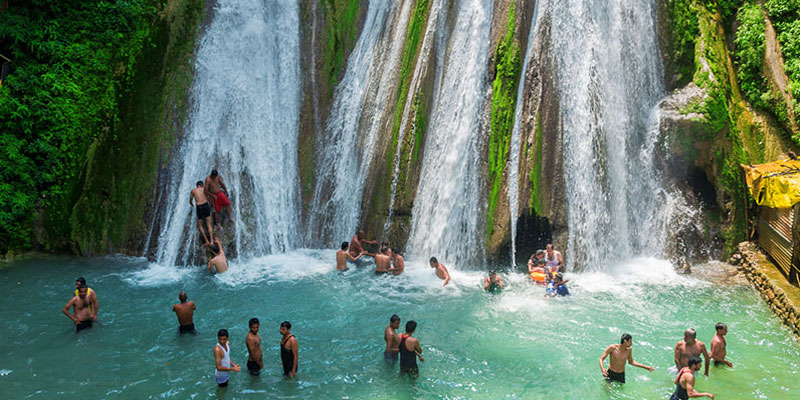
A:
x: 504, y: 100
x: 785, y: 16
x: 72, y: 61
x: 341, y: 23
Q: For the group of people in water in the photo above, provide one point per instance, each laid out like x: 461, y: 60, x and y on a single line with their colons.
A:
x: 686, y: 356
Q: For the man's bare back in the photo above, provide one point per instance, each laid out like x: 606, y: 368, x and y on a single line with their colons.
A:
x: 185, y: 312
x: 392, y: 339
x: 342, y: 256
x: 441, y: 272
x: 212, y: 185
x: 382, y: 262
x: 199, y: 196
x: 219, y: 261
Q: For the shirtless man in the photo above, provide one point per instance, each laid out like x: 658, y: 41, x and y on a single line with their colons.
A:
x: 382, y: 261
x: 254, y: 360
x: 219, y: 261
x: 688, y: 347
x: 392, y: 340
x: 355, y: 243
x: 718, y: 346
x: 441, y: 270
x: 80, y: 304
x: 619, y: 355
x: 93, y: 307
x: 185, y: 313
x: 493, y: 283
x: 553, y: 258
x: 216, y: 191
x: 398, y: 263
x: 198, y: 195
x: 343, y: 256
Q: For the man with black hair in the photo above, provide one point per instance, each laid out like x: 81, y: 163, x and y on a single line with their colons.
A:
x: 218, y: 262
x: 392, y: 340
x: 493, y: 283
x: 355, y: 243
x: 684, y: 382
x: 216, y: 191
x: 441, y: 270
x: 91, y: 294
x: 185, y: 313
x: 410, y: 349
x: 222, y: 359
x: 398, y: 263
x: 198, y: 196
x: 343, y: 256
x: 688, y: 347
x: 288, y: 350
x: 718, y: 346
x: 80, y: 305
x: 254, y: 358
x: 619, y: 355
x: 383, y: 262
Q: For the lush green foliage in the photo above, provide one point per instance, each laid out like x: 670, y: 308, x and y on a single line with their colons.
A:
x: 750, y: 53
x: 785, y: 16
x: 504, y: 100
x: 71, y: 62
x: 683, y: 20
x: 341, y: 23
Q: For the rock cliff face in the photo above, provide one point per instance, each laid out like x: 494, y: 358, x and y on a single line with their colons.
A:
x: 117, y: 193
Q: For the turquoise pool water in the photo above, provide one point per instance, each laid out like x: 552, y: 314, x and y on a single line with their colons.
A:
x: 515, y: 345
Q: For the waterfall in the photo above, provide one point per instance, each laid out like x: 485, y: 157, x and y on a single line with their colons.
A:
x: 244, y: 122
x: 609, y: 83
x: 425, y: 50
x: 361, y: 102
x: 513, y: 154
x: 446, y: 219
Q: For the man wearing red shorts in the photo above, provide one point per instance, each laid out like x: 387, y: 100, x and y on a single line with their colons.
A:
x: 216, y: 191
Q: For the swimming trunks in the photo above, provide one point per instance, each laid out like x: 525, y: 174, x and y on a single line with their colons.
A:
x: 408, y: 358
x: 390, y: 357
x: 83, y: 325
x: 719, y: 363
x: 381, y: 272
x: 221, y: 200
x: 615, y: 376
x: 187, y: 329
x: 253, y: 368
x: 287, y: 357
x: 203, y: 210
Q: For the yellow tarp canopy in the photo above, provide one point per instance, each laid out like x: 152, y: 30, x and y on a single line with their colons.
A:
x: 776, y: 184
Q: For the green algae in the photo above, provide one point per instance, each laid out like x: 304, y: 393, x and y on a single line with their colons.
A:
x: 341, y: 24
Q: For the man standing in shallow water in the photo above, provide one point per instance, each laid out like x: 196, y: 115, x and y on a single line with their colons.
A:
x: 93, y: 307
x: 441, y: 270
x: 392, y: 340
x: 80, y: 305
x: 688, y: 347
x: 398, y: 263
x: 619, y: 355
x: 343, y: 256
x: 254, y: 357
x: 222, y: 359
x: 185, y: 313
x: 718, y: 346
x: 410, y: 349
x: 288, y: 350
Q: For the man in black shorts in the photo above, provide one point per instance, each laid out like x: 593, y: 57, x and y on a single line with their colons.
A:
x: 253, y: 341
x: 203, y: 212
x: 185, y: 313
x: 619, y: 355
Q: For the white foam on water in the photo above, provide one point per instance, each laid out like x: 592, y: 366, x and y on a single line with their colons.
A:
x: 158, y: 275
x: 291, y: 266
x: 633, y: 274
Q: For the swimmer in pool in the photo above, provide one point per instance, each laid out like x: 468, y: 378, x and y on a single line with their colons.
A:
x: 688, y: 347
x: 93, y: 307
x: 382, y: 261
x: 343, y: 256
x: 398, y: 263
x: 493, y: 283
x: 684, y: 382
x: 619, y: 354
x: 185, y: 313
x: 410, y: 349
x: 392, y: 340
x: 254, y: 358
x: 441, y: 270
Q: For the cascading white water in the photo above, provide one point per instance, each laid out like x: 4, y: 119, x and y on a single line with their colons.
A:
x: 243, y: 122
x: 446, y: 218
x: 425, y: 50
x: 609, y: 81
x: 355, y: 123
x: 513, y: 154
